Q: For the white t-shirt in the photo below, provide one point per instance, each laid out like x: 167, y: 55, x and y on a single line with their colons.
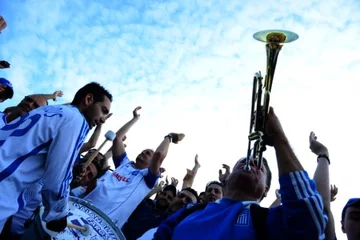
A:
x: 119, y: 193
x: 43, y: 143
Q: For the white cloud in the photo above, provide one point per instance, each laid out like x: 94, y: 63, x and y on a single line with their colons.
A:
x: 191, y: 67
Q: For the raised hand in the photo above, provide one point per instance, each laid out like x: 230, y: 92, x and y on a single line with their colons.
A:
x: 162, y: 170
x: 4, y: 64
x: 315, y: 146
x: 197, y: 160
x: 224, y: 177
x: 333, y: 192
x: 135, y: 112
x: 177, y: 137
x: 57, y: 94
x: 174, y: 182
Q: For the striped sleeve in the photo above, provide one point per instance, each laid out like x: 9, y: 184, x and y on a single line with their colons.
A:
x: 301, y: 215
x: 58, y: 168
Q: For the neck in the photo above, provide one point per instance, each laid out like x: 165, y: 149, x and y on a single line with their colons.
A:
x: 159, y: 208
x: 239, y: 196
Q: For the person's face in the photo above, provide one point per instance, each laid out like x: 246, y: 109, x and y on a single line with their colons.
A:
x: 213, y: 193
x: 351, y: 223
x: 184, y: 197
x: 144, y: 158
x: 90, y: 173
x: 201, y: 197
x: 95, y: 113
x: 251, y: 183
x: 164, y: 198
x: 31, y: 102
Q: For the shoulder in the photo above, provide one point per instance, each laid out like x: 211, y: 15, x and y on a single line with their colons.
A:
x: 61, y: 111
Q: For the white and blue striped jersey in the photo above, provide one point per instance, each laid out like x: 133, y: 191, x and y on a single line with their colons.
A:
x: 32, y: 198
x: 43, y: 143
x: 118, y: 193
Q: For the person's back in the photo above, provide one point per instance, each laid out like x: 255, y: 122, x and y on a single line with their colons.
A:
x: 43, y: 144
x: 25, y: 146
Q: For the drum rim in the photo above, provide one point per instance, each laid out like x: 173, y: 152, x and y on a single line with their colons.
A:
x: 98, y: 211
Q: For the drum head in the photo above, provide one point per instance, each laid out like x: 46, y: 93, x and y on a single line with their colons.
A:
x: 82, y: 213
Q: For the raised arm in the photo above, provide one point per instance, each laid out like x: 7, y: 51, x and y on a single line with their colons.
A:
x: 190, y: 175
x: 322, y: 180
x: 118, y: 148
x: 301, y: 214
x: 161, y: 152
x: 92, y: 141
x: 53, y: 96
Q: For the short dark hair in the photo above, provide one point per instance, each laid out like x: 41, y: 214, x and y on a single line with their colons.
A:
x: 193, y: 191
x: 94, y: 88
x: 170, y: 188
x: 214, y: 182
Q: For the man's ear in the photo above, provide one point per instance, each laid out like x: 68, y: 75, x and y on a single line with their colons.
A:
x: 342, y: 226
x: 89, y: 99
x: 266, y: 191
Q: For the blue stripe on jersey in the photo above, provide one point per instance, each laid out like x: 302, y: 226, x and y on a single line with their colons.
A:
x: 12, y: 126
x: 20, y: 201
x: 65, y: 183
x: 150, y: 179
x: 118, y: 161
x: 303, y: 193
x: 16, y: 163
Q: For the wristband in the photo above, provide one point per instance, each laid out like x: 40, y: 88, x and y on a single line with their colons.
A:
x: 168, y: 136
x: 324, y: 156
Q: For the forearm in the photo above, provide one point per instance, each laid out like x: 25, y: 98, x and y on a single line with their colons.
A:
x: 195, y: 169
x: 46, y: 96
x: 92, y: 141
x: 286, y: 159
x: 124, y: 129
x: 159, y: 155
x: 188, y: 180
x: 322, y: 180
x: 95, y: 136
x: 152, y: 192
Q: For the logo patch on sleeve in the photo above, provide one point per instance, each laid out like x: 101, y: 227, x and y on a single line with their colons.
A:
x: 243, y: 218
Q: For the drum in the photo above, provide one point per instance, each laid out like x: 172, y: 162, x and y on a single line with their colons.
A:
x: 84, y: 214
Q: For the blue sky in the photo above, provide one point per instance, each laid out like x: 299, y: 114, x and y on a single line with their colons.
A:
x: 190, y: 65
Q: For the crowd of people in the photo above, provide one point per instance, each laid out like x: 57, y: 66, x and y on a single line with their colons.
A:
x: 36, y: 173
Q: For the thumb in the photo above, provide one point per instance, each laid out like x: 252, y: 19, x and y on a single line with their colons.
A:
x: 220, y: 172
x: 271, y: 110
